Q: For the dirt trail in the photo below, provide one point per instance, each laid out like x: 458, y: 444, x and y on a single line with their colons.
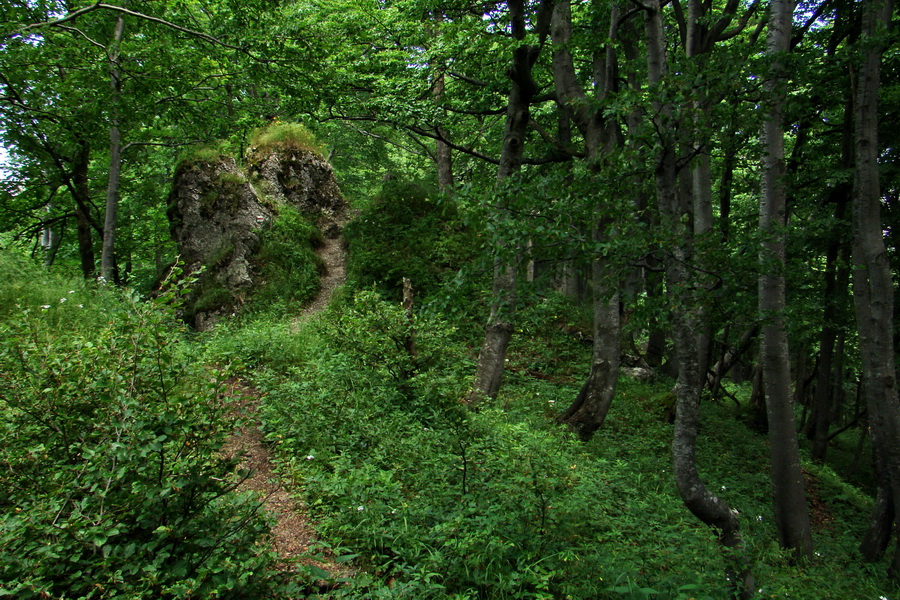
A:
x: 332, y: 255
x: 292, y: 534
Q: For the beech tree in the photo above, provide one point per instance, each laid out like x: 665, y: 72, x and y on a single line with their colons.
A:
x: 791, y: 511
x: 873, y: 289
x: 601, y: 135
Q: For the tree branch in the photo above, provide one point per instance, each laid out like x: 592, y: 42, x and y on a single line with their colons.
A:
x: 138, y: 15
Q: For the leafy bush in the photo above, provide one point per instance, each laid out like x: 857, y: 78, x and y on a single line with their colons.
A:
x: 405, y: 231
x: 289, y: 267
x: 112, y: 485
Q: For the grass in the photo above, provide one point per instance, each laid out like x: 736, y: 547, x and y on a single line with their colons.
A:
x: 284, y: 136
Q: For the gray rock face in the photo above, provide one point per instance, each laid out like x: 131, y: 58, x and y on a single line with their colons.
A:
x: 217, y: 215
x: 216, y: 218
x: 302, y: 179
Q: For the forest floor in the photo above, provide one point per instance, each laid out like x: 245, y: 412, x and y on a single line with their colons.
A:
x: 292, y: 535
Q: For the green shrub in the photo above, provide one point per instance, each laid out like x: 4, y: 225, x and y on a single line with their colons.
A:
x: 406, y: 232
x: 289, y: 268
x: 112, y: 484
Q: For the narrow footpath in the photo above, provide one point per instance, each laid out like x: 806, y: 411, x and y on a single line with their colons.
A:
x: 292, y: 534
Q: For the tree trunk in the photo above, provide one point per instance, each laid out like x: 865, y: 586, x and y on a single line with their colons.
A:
x: 499, y: 328
x: 829, y: 362
x: 707, y: 507
x: 442, y: 153
x: 107, y: 256
x: 873, y: 291
x: 589, y: 410
x: 82, y: 194
x: 791, y: 510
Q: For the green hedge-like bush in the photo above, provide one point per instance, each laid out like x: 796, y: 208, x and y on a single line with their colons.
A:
x: 111, y: 485
x: 406, y: 232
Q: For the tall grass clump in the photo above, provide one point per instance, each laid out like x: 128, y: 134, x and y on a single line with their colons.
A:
x: 212, y: 152
x: 284, y: 136
x: 112, y: 484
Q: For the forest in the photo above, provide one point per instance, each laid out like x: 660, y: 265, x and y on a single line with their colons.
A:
x: 446, y: 299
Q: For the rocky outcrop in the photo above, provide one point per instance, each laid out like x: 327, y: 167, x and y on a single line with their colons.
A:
x: 299, y: 178
x: 215, y: 218
x: 218, y: 214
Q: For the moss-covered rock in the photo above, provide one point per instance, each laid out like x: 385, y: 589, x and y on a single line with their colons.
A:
x: 219, y: 215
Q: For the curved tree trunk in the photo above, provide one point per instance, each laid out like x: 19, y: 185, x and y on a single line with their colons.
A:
x: 587, y: 413
x: 706, y: 506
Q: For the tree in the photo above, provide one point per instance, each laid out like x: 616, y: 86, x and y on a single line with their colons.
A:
x: 601, y: 135
x: 873, y: 290
x: 680, y: 284
x: 791, y: 511
x: 499, y: 327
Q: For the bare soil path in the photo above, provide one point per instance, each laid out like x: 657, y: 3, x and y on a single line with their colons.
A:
x: 293, y: 534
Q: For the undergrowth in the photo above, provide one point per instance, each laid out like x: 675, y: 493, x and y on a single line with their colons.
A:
x: 433, y: 500
x: 111, y: 481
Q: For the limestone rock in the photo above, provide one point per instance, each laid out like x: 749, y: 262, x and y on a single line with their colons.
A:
x: 300, y: 178
x: 218, y: 214
x: 216, y: 218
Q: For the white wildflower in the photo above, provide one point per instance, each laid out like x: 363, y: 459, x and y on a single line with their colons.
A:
x: 63, y: 299
x: 360, y: 508
x: 309, y: 457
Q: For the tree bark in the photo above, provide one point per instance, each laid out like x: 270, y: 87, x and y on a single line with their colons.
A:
x: 873, y: 291
x: 443, y: 157
x: 706, y: 506
x: 499, y: 328
x: 107, y: 256
x: 829, y: 362
x: 587, y: 413
x: 82, y: 194
x: 791, y: 510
